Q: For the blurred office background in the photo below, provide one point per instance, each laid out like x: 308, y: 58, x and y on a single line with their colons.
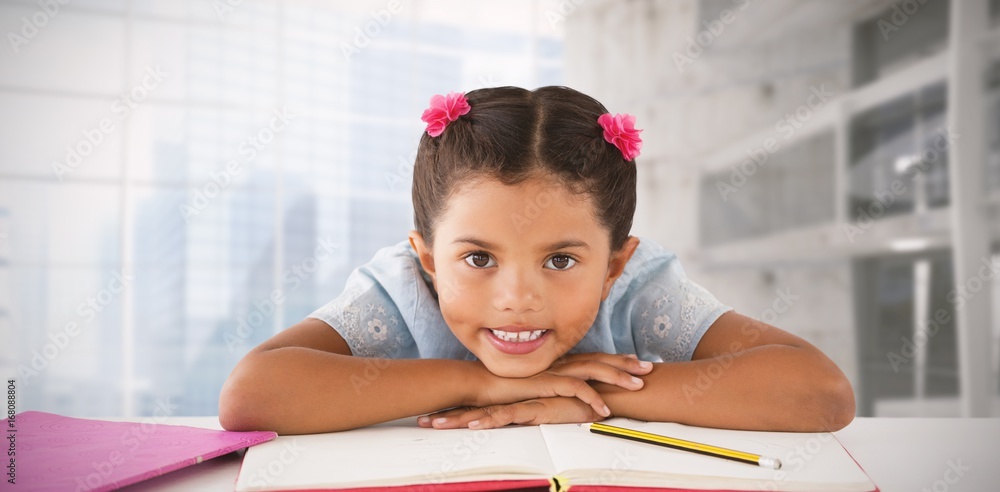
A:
x: 179, y: 180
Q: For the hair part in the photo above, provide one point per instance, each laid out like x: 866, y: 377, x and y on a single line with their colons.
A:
x: 512, y: 135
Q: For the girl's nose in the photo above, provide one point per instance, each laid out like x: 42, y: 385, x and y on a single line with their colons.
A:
x: 517, y: 291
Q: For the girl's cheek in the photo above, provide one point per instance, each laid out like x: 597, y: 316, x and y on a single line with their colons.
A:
x: 585, y: 310
x: 455, y: 287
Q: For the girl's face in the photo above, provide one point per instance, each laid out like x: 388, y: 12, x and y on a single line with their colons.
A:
x: 520, y: 271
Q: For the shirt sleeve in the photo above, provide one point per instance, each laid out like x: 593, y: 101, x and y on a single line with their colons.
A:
x: 368, y: 319
x: 670, y: 313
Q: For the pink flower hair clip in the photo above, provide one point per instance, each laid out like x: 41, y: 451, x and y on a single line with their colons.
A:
x: 620, y: 130
x: 444, y: 110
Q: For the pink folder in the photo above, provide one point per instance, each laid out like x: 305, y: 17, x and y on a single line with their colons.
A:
x: 64, y: 453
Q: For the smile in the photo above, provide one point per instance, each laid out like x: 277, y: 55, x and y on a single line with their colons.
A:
x: 520, y: 342
x: 522, y: 336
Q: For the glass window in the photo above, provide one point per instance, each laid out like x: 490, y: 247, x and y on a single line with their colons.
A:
x: 196, y: 196
x: 899, y: 156
x: 895, y: 39
x: 905, y: 329
x: 992, y: 129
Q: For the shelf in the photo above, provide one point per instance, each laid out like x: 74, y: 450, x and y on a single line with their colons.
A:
x: 838, y: 112
x: 782, y: 17
x: 925, y: 72
x: 830, y: 242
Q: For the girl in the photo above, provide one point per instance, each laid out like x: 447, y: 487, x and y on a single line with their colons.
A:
x: 520, y: 298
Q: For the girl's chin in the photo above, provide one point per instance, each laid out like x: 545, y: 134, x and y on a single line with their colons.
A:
x: 516, y: 369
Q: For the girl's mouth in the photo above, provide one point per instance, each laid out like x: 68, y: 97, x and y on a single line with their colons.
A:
x: 516, y: 342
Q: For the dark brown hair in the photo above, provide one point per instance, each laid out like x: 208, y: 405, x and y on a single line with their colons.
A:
x: 512, y: 134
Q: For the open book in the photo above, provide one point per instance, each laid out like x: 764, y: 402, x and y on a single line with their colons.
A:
x: 559, y: 456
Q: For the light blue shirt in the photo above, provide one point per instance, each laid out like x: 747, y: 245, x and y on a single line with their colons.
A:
x: 389, y: 310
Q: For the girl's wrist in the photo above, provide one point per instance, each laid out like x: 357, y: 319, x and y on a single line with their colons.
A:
x: 478, y: 382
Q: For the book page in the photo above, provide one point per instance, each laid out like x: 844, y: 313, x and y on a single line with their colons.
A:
x: 397, y: 452
x: 809, y: 461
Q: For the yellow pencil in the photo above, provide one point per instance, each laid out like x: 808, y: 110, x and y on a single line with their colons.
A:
x: 694, y: 447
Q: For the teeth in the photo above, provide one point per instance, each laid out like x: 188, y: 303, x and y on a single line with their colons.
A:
x: 523, y: 336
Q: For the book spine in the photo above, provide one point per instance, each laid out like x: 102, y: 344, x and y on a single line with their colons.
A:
x: 558, y: 484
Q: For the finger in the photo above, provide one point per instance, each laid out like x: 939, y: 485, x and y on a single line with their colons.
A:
x: 428, y: 420
x: 578, y: 388
x: 525, y: 412
x: 531, y: 412
x: 596, y: 370
x: 625, y: 362
x: 535, y: 412
x: 461, y: 420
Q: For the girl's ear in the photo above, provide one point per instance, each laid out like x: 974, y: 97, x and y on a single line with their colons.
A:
x: 617, y: 263
x: 423, y: 253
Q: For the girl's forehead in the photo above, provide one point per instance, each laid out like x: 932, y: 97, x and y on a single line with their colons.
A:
x: 539, y: 188
x: 527, y: 199
x: 520, y: 216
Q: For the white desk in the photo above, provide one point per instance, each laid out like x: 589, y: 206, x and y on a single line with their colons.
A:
x: 909, y: 455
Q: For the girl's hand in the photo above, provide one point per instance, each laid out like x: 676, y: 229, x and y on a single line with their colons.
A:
x: 617, y: 369
x: 567, y: 377
x: 556, y: 410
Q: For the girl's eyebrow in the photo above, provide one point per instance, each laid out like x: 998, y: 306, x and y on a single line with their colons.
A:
x: 568, y: 243
x: 564, y: 244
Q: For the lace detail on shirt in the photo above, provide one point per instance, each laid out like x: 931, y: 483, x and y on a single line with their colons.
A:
x: 693, y: 313
x: 669, y: 328
x: 368, y: 328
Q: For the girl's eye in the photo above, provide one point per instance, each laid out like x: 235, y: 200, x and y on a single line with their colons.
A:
x: 562, y: 262
x: 479, y: 260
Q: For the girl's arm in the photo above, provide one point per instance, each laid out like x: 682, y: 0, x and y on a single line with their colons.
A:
x: 304, y: 380
x: 745, y: 374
